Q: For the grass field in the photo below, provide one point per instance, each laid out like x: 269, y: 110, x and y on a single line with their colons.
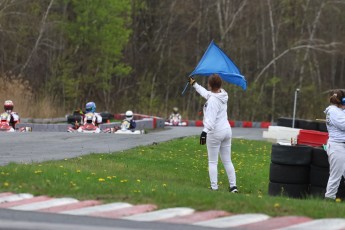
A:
x: 170, y: 174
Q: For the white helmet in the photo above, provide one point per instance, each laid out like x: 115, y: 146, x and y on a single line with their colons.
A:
x: 129, y: 115
x: 8, y: 105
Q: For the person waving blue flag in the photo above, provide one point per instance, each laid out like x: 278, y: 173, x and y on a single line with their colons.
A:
x: 215, y: 61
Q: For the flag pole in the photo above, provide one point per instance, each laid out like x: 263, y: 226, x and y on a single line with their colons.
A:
x: 184, y: 90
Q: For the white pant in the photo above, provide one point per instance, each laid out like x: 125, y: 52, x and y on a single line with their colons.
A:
x: 336, y: 158
x: 219, y: 142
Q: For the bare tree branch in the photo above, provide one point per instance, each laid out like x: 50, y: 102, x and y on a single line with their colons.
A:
x: 323, y: 48
x: 44, y: 19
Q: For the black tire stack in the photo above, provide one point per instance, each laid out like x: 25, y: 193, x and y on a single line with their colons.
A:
x: 319, y: 174
x: 290, y: 171
x: 302, y: 124
x: 300, y: 171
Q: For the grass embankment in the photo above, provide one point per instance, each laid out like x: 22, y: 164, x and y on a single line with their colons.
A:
x: 171, y: 174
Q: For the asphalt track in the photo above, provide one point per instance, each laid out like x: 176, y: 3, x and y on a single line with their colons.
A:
x: 43, y: 146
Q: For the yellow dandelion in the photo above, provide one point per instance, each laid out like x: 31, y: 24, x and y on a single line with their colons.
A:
x: 338, y: 200
x: 101, y: 179
x: 78, y: 171
x: 164, y: 185
x: 276, y: 205
x: 138, y: 180
x: 6, y: 184
x: 109, y: 177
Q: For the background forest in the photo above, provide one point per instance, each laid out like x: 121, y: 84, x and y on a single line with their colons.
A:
x: 55, y: 55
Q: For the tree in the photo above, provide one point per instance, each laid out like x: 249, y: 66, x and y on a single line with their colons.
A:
x: 96, y: 32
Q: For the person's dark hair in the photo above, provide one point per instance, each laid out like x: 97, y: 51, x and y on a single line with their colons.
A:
x: 215, y: 81
x: 336, y: 96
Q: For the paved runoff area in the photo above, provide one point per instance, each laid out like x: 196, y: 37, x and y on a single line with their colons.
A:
x: 27, y: 212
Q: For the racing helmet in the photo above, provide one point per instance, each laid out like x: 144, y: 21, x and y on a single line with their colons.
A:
x: 8, y: 105
x: 129, y: 115
x: 175, y: 110
x: 90, y: 107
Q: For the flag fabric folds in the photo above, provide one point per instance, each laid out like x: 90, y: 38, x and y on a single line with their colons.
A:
x: 214, y: 61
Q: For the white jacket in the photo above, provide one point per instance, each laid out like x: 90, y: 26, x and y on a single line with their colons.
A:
x: 335, y: 121
x: 215, y: 109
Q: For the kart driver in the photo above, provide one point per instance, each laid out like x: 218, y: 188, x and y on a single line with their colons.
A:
x: 9, y: 115
x: 91, y: 117
x: 175, y: 117
x: 128, y: 123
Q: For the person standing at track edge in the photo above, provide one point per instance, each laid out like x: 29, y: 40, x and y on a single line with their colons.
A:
x: 335, y: 121
x: 217, y: 130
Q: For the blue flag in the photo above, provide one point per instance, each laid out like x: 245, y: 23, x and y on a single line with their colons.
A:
x: 216, y: 61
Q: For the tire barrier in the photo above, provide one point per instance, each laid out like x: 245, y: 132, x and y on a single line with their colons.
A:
x: 312, y: 138
x: 319, y: 157
x: 308, y: 125
x: 303, y: 124
x: 282, y: 134
x: 291, y: 155
x: 289, y: 190
x: 286, y: 122
x: 294, y: 169
x: 289, y: 174
x: 319, y: 176
x: 289, y: 171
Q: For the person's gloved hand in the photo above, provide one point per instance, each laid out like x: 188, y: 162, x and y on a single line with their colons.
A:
x: 191, y: 80
x: 203, y: 138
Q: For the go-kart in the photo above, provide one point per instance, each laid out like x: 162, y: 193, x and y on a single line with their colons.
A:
x: 88, y: 127
x: 123, y: 129
x: 6, y: 127
x: 116, y: 130
x: 175, y: 121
